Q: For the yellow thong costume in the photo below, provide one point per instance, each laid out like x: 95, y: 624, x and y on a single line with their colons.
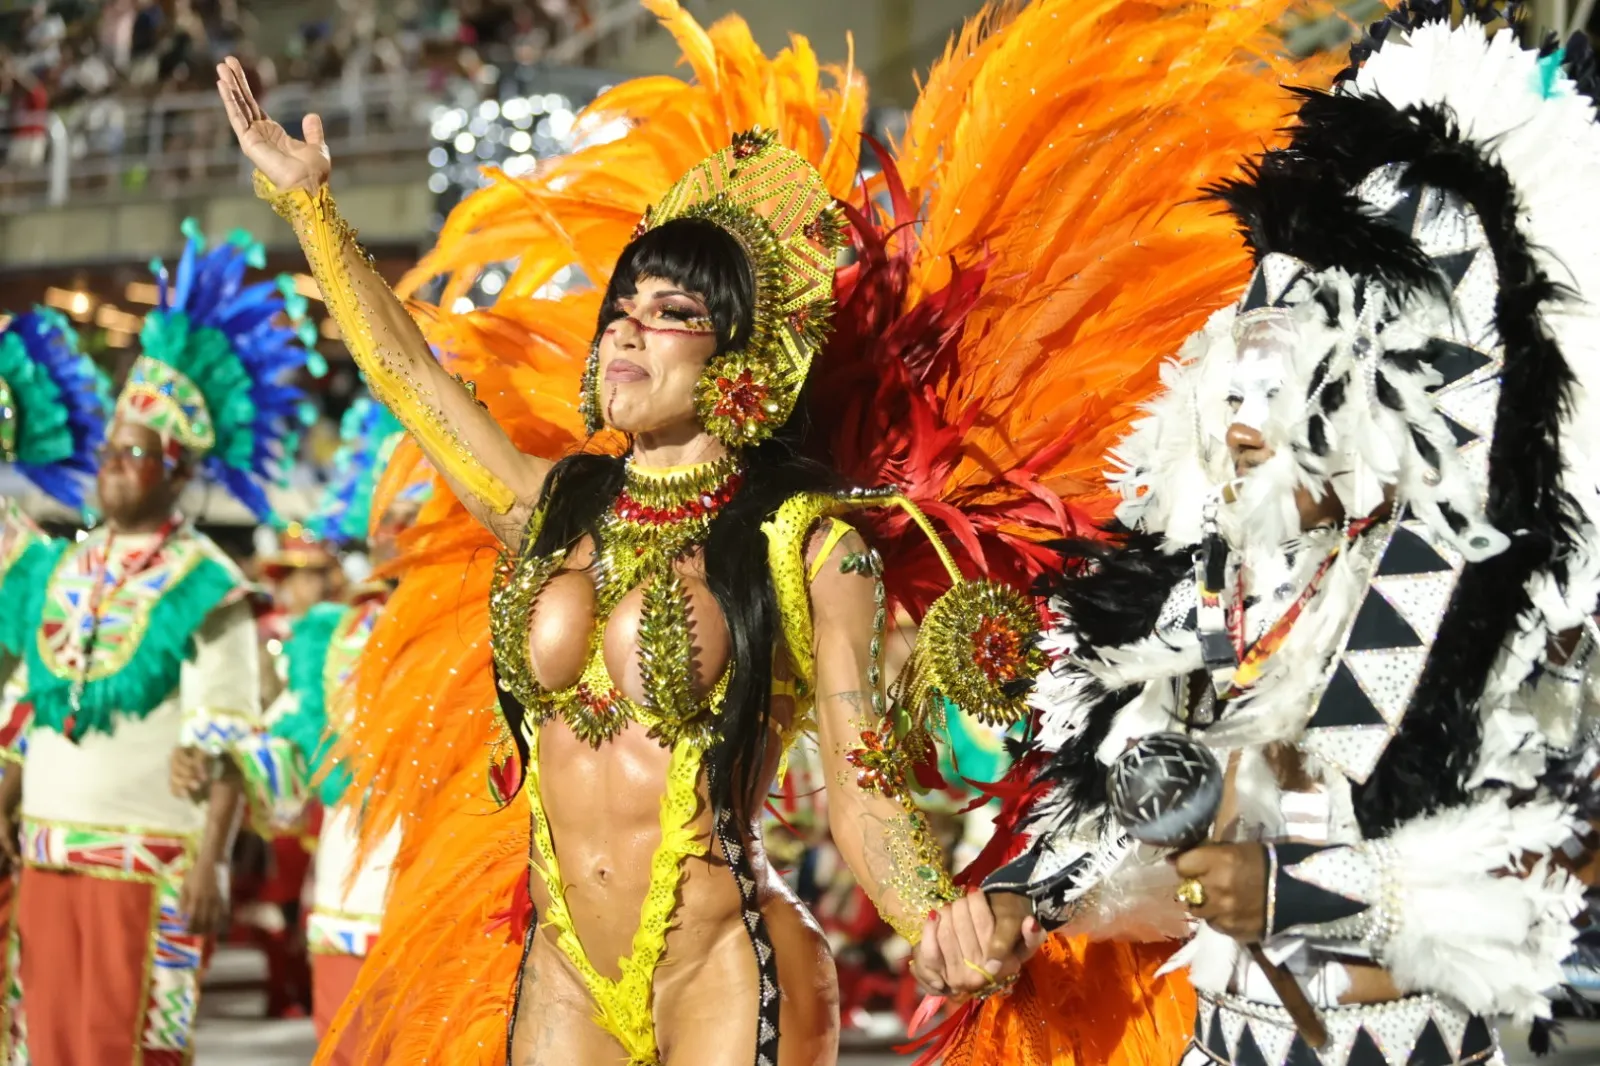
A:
x: 623, y: 1007
x: 595, y: 709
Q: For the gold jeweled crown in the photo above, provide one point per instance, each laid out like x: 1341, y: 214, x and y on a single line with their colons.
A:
x: 774, y: 203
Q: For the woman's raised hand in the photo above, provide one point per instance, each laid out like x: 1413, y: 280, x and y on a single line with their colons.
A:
x: 288, y: 162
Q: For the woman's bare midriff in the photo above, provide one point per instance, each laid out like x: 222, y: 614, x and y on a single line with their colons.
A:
x: 604, y: 812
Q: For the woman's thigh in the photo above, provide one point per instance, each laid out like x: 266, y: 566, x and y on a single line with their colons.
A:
x: 555, y: 1023
x: 706, y: 1011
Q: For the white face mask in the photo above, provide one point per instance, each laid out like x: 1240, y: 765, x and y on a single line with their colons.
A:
x: 1265, y: 344
x: 1262, y: 384
x: 1255, y: 382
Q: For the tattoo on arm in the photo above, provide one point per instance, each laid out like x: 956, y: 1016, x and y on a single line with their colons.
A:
x: 859, y: 702
x: 530, y: 979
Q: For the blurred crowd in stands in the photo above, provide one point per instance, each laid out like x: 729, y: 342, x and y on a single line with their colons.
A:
x: 89, y: 61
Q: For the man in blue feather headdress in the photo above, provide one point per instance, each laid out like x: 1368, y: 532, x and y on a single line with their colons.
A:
x: 138, y: 639
x: 52, y: 418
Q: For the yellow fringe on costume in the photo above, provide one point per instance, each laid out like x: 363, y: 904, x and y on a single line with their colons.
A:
x: 1064, y: 144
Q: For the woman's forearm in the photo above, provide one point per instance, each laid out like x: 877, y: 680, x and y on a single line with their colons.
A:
x: 887, y: 843
x: 459, y: 437
x: 880, y: 833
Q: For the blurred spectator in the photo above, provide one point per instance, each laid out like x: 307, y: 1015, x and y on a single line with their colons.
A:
x: 30, y: 106
x: 145, y: 42
x: 116, y: 32
x: 46, y: 30
x: 92, y: 62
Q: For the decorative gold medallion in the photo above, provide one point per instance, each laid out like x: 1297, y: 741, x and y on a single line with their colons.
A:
x: 977, y: 649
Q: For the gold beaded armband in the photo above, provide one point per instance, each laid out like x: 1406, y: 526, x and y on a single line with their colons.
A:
x: 917, y: 873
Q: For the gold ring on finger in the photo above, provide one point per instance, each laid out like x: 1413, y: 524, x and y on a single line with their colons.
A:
x: 1191, y: 892
x: 1001, y: 988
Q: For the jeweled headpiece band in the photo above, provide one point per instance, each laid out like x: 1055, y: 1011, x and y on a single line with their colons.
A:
x: 168, y: 401
x: 774, y: 203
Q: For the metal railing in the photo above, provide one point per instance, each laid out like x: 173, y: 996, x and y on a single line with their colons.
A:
x: 124, y: 147
x: 116, y: 148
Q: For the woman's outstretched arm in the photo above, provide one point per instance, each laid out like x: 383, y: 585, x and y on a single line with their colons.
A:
x: 498, y: 483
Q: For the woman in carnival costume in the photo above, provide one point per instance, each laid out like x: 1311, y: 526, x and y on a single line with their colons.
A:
x: 713, y: 336
x: 289, y: 765
x: 1356, y: 560
x: 138, y: 639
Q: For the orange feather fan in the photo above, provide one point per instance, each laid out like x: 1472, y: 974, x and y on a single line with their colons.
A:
x: 1067, y: 143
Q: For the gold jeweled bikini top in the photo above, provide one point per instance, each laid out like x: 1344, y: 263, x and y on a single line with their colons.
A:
x: 657, y: 519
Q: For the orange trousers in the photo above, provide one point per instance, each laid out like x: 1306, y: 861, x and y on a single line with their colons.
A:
x: 96, y: 956
x: 332, y: 977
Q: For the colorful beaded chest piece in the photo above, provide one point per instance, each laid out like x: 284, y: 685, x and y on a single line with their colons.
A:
x: 657, y: 519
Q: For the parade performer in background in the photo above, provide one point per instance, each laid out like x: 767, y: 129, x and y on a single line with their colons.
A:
x: 302, y: 570
x: 288, y: 764
x: 52, y: 419
x: 943, y: 373
x: 298, y: 572
x: 139, y: 639
x: 1356, y: 562
x: 52, y: 422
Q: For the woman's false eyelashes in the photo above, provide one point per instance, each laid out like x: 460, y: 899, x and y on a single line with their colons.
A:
x: 648, y: 316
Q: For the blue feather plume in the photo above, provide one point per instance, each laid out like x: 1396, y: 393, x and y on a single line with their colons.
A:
x: 258, y: 416
x: 60, y: 399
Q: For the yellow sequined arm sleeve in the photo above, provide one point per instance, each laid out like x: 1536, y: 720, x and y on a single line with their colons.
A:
x: 879, y: 831
x: 495, y: 480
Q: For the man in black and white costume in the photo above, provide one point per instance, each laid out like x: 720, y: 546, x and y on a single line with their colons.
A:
x: 1357, y: 558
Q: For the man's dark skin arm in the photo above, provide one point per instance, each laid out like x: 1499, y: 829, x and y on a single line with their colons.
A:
x: 203, y: 899
x: 10, y: 804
